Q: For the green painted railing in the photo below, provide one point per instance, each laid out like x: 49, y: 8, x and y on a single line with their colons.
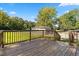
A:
x: 9, y: 36
x: 14, y: 36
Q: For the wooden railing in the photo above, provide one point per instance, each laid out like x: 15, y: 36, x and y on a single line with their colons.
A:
x: 14, y: 36
x: 10, y: 37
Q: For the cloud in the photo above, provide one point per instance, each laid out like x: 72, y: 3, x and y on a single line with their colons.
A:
x: 66, y: 4
x: 29, y: 18
x: 1, y: 8
x: 13, y: 12
x: 11, y: 4
x: 66, y: 11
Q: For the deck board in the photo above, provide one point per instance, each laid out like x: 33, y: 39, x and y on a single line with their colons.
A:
x: 38, y: 47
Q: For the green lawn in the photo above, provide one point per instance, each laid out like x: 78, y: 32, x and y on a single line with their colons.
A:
x: 10, y: 37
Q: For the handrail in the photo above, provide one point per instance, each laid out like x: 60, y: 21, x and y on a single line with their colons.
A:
x: 15, y: 36
x: 21, y: 34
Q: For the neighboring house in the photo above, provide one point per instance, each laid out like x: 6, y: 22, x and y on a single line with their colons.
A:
x: 41, y: 28
x: 76, y: 30
x: 47, y: 30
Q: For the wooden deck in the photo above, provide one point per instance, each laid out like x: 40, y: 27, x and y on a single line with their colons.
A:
x: 39, y: 47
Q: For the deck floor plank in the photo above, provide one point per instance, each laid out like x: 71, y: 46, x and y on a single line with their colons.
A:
x: 38, y: 47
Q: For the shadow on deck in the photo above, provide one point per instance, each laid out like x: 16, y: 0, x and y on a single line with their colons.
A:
x: 38, y: 47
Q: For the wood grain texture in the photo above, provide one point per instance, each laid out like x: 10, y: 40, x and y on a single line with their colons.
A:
x: 39, y: 47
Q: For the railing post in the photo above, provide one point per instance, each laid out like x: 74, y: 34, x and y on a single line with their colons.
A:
x: 43, y: 34
x: 71, y: 38
x: 54, y: 35
x: 2, y: 43
x: 30, y: 33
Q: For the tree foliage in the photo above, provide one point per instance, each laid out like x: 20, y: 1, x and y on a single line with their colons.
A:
x: 13, y: 23
x: 68, y: 20
x: 4, y: 18
x: 45, y: 17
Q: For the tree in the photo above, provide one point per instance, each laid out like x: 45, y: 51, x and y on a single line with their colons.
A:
x: 4, y: 19
x: 77, y: 25
x: 16, y: 23
x: 68, y: 20
x: 31, y: 24
x: 25, y: 24
x: 13, y: 23
x: 45, y: 17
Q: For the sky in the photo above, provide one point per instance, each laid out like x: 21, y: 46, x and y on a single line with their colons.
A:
x: 29, y: 11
